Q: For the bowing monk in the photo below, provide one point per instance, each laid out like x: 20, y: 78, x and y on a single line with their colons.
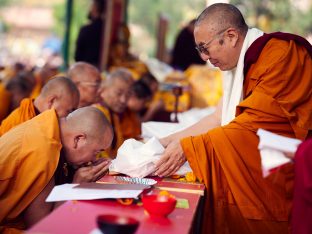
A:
x: 114, y: 94
x: 88, y: 79
x: 30, y: 154
x: 59, y: 93
x: 267, y: 85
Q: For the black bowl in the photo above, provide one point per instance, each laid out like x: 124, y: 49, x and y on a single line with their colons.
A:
x: 117, y: 224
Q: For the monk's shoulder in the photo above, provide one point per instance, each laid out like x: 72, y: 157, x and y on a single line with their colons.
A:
x: 11, y: 153
x: 275, y: 51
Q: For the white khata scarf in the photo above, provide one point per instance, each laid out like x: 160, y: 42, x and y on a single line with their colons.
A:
x: 233, y: 80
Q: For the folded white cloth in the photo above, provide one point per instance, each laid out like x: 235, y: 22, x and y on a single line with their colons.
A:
x: 137, y: 159
x: 273, y: 148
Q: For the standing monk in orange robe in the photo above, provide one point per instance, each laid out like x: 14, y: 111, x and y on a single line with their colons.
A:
x: 30, y: 154
x: 269, y: 86
x: 87, y: 78
x: 114, y: 94
x: 59, y: 93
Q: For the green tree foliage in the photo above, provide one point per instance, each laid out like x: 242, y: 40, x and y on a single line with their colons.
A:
x: 281, y: 15
x: 145, y: 13
x: 4, y: 2
x: 79, y: 18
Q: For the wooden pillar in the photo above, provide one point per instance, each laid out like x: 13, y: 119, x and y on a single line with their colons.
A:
x: 161, y: 37
x: 115, y: 14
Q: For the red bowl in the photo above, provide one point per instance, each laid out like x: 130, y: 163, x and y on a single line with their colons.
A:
x: 117, y: 224
x: 159, y: 206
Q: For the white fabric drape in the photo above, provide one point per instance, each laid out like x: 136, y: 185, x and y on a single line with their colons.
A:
x: 233, y: 80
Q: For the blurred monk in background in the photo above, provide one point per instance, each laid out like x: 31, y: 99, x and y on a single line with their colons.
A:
x: 59, y: 93
x: 20, y: 87
x: 42, y: 76
x: 88, y: 79
x: 5, y: 99
x: 140, y: 95
x: 27, y: 171
x: 114, y: 94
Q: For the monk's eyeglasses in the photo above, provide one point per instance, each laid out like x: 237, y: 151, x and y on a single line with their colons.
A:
x: 203, y: 48
x: 95, y: 84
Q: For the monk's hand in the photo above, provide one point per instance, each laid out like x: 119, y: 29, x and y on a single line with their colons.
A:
x: 171, y: 161
x: 92, y: 172
x: 165, y: 141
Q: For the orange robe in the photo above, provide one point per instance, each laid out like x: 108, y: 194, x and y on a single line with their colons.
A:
x: 130, y: 125
x: 5, y: 101
x: 24, y: 112
x: 113, y: 118
x: 278, y: 98
x: 29, y: 157
x: 38, y: 86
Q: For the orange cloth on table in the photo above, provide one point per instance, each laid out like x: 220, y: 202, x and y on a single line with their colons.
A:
x: 130, y: 124
x: 29, y: 157
x: 24, y: 112
x: 113, y: 118
x: 276, y: 98
x: 5, y: 100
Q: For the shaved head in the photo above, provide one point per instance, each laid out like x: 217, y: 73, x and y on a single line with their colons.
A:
x: 219, y: 34
x: 59, y: 93
x: 60, y: 84
x: 115, y: 91
x: 85, y: 132
x: 94, y: 121
x: 121, y: 74
x: 82, y: 71
x: 87, y: 78
x: 220, y: 16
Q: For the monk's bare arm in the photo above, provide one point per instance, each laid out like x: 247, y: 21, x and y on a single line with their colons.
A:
x: 38, y: 209
x: 201, y: 127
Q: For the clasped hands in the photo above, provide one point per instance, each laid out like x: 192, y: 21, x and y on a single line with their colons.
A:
x: 92, y: 172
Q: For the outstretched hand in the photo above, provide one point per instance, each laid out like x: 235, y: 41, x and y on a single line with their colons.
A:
x: 93, y: 172
x: 171, y: 161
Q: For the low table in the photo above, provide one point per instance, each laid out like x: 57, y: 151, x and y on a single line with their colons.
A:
x: 80, y: 216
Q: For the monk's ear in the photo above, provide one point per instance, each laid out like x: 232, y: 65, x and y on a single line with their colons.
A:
x: 51, y: 100
x: 79, y: 140
x: 232, y: 35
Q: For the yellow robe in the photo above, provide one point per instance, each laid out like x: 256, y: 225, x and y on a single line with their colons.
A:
x: 278, y: 98
x: 24, y: 112
x: 118, y: 137
x: 29, y: 157
x: 5, y: 100
x: 130, y: 125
